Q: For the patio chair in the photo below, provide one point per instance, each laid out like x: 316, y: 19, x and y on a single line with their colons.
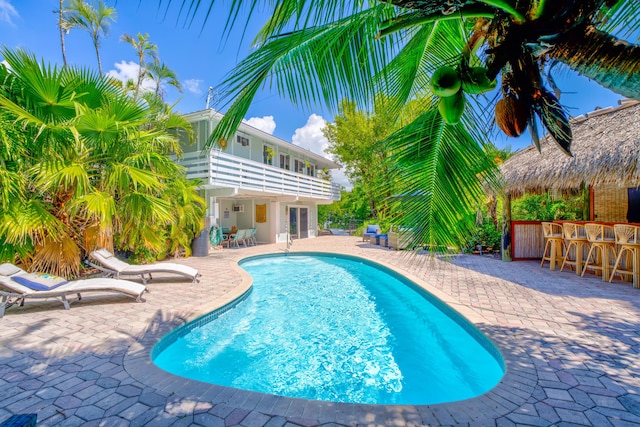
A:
x: 251, y: 239
x: 17, y: 283
x: 114, y: 267
x: 236, y: 239
x: 370, y: 232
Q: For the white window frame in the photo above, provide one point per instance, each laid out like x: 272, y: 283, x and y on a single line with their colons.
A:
x: 284, y: 161
x: 311, y: 170
x: 243, y: 140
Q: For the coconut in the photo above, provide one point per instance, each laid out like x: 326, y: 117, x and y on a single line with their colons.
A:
x: 452, y: 107
x: 511, y: 116
x: 445, y: 81
x: 476, y: 81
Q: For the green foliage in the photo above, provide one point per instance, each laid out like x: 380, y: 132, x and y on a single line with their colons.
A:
x: 83, y: 165
x: 355, y: 140
x: 485, y: 234
x: 352, y: 208
x: 543, y: 207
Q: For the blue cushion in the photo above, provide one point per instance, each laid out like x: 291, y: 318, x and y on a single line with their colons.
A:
x: 372, y: 228
x: 40, y: 281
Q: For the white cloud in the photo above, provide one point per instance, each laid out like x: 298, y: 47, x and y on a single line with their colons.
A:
x: 193, y: 86
x: 126, y: 71
x: 7, y: 11
x: 310, y: 136
x: 265, y: 124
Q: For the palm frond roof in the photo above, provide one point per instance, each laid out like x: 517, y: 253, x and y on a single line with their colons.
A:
x: 606, y: 148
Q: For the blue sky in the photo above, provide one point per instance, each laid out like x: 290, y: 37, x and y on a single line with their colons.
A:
x: 201, y: 59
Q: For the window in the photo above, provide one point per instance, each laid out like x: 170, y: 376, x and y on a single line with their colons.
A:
x: 298, y: 166
x: 267, y: 155
x: 633, y: 207
x: 242, y: 140
x: 311, y: 169
x: 285, y: 161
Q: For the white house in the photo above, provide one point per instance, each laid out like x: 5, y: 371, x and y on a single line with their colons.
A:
x: 258, y: 180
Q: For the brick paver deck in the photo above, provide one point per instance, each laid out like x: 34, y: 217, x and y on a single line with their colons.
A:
x: 571, y: 346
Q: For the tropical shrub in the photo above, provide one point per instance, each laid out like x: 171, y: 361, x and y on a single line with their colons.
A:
x: 83, y: 165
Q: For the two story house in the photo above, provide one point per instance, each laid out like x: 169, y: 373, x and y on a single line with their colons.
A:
x: 256, y: 180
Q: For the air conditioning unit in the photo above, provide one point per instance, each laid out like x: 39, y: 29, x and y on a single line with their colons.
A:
x: 238, y: 208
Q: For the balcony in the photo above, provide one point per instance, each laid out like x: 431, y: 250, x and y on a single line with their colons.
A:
x: 221, y: 170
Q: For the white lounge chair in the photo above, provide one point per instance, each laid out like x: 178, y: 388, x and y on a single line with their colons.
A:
x: 17, y: 283
x: 114, y: 267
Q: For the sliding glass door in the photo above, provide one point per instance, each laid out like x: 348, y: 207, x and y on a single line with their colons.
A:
x: 298, y: 222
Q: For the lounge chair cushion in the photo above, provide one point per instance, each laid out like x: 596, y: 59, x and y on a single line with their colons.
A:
x: 104, y: 253
x: 372, y: 229
x: 40, y: 281
x: 7, y: 269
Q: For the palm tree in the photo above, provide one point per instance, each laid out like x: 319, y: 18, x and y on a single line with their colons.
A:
x: 95, y: 20
x: 144, y: 49
x: 162, y: 76
x: 331, y: 50
x: 84, y: 165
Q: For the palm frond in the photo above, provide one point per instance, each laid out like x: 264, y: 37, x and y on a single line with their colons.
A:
x: 408, y: 74
x: 318, y: 64
x: 622, y: 19
x: 27, y: 223
x: 138, y: 209
x: 59, y: 256
x: 97, y: 206
x: 123, y: 178
x: 440, y: 171
x: 60, y: 176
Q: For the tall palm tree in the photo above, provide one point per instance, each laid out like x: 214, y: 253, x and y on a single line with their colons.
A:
x: 84, y: 165
x: 95, y: 20
x: 162, y: 76
x: 328, y: 50
x: 144, y: 49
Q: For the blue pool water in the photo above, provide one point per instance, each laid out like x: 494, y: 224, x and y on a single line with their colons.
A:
x: 339, y: 329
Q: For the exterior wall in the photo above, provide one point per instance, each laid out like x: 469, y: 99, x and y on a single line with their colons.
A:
x: 610, y: 203
x: 254, y: 151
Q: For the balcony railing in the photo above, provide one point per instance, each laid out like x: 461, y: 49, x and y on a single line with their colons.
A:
x: 229, y: 171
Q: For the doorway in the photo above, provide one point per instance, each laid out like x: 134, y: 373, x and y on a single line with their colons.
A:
x: 298, y: 222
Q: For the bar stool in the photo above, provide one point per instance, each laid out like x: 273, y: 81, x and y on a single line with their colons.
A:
x: 627, y: 237
x: 577, y: 238
x: 603, y: 241
x: 554, y: 244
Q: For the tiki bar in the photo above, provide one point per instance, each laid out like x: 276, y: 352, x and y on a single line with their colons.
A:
x: 604, y: 168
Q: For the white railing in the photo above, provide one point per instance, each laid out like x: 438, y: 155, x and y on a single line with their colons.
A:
x: 226, y: 170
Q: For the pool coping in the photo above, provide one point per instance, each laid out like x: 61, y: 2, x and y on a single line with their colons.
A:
x: 513, y: 390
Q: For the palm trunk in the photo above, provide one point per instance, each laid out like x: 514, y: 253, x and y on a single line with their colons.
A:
x: 96, y: 45
x: 612, y: 63
x: 64, y: 52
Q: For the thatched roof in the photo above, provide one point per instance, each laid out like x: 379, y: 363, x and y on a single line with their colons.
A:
x: 606, y: 148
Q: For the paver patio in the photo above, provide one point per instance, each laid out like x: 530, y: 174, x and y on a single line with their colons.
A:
x: 571, y: 344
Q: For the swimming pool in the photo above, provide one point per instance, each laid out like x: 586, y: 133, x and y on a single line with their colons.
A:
x: 336, y: 328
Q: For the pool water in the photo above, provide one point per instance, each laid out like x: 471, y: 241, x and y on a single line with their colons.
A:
x: 339, y: 329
